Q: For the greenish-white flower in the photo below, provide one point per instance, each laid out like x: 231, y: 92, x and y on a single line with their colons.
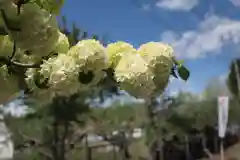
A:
x: 62, y: 45
x: 53, y: 6
x: 9, y: 86
x: 159, y: 58
x: 58, y: 76
x: 90, y: 55
x: 134, y: 76
x: 39, y: 31
x: 42, y: 96
x: 115, y: 51
x: 62, y: 74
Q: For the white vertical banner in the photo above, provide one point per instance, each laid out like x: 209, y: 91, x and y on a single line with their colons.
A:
x: 223, y: 103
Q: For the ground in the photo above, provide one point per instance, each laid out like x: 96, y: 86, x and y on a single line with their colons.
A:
x: 232, y: 153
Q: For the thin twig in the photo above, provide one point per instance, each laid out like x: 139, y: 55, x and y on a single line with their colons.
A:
x: 14, y: 51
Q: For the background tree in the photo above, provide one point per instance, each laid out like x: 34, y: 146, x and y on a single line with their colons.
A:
x: 233, y: 78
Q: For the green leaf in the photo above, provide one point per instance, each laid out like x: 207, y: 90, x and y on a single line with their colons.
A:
x: 183, y: 72
x: 180, y: 62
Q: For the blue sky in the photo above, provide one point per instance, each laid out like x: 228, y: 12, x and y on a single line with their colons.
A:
x: 205, y: 33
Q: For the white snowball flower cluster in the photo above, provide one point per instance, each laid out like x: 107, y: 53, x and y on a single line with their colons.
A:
x: 159, y: 57
x: 91, y: 59
x: 39, y: 31
x: 117, y: 50
x: 54, y: 68
x: 42, y: 95
x: 62, y: 75
x: 66, y: 74
x: 144, y: 73
x: 134, y: 76
x: 58, y: 74
x: 89, y: 55
x: 62, y: 45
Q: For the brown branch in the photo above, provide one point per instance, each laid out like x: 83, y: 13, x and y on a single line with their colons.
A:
x: 6, y: 61
x: 22, y: 65
x: 14, y: 51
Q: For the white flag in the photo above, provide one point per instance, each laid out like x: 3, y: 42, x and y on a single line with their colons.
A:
x: 223, y: 103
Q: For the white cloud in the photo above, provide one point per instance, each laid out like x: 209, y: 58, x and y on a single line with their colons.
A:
x: 184, y: 5
x: 210, y: 37
x: 235, y: 2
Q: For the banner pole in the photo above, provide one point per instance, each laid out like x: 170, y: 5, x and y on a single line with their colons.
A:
x: 222, y: 149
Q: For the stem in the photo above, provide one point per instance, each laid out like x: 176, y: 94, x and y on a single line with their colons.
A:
x: 153, y: 126
x: 63, y: 139
x: 55, y: 141
x: 14, y: 51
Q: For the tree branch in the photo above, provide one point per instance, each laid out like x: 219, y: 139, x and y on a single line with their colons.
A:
x: 6, y: 61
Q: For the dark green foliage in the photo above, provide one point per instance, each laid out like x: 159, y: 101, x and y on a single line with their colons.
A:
x: 232, y: 78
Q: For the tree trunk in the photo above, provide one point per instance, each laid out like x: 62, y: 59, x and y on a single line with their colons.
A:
x: 62, y: 147
x: 187, y: 149
x: 205, y: 149
x: 55, y: 141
